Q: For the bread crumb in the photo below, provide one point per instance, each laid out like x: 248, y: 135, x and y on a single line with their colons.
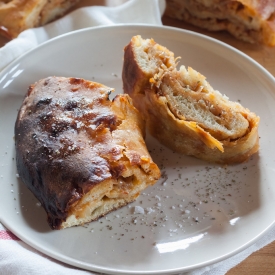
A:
x: 138, y: 210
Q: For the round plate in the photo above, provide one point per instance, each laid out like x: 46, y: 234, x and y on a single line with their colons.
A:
x: 197, y: 213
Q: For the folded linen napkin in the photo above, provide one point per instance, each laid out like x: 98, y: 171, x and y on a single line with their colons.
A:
x: 16, y: 257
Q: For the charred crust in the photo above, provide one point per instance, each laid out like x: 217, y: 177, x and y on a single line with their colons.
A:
x: 43, y: 101
x: 51, y: 160
x: 66, y: 147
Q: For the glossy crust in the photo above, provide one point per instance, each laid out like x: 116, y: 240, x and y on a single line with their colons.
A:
x: 249, y: 20
x: 19, y: 15
x: 182, y: 110
x: 81, y: 154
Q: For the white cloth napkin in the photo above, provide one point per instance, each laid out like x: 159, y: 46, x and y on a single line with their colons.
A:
x: 133, y: 11
x: 16, y: 257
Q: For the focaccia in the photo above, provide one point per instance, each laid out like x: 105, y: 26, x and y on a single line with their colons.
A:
x: 19, y: 15
x: 181, y: 108
x: 80, y: 153
x: 249, y: 20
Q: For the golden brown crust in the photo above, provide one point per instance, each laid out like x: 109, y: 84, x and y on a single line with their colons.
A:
x: 184, y: 112
x: 132, y: 74
x: 79, y: 152
x: 249, y: 20
x: 136, y: 78
x: 19, y: 15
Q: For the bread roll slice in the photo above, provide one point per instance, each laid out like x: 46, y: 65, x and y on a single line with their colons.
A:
x: 81, y: 154
x: 181, y: 108
x: 248, y: 20
x: 19, y: 15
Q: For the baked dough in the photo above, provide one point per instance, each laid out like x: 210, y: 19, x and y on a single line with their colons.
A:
x: 182, y: 110
x: 81, y: 154
x: 249, y: 20
x: 19, y: 15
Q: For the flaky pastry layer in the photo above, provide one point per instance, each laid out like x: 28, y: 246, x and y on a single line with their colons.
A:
x: 181, y: 108
x: 80, y: 153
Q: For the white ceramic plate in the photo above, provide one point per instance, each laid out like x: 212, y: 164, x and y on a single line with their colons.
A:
x: 198, y: 213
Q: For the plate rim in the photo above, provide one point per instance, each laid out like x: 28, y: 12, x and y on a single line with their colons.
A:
x: 80, y: 264
x: 132, y: 25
